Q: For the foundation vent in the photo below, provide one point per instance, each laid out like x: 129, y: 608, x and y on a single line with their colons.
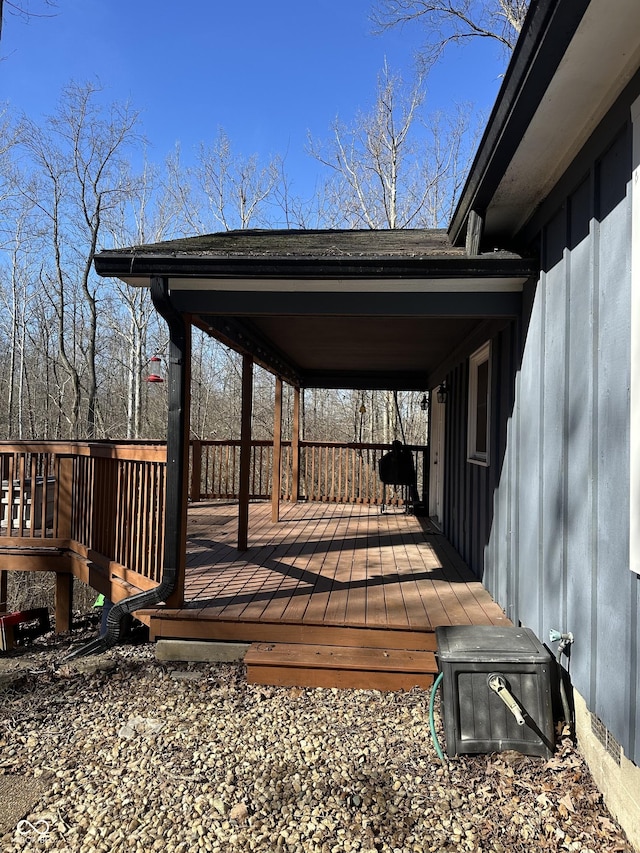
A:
x: 607, y: 740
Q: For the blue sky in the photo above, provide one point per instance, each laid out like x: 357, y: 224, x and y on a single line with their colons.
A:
x: 265, y: 72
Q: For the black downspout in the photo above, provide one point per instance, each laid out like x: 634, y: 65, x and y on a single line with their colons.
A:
x: 175, y: 498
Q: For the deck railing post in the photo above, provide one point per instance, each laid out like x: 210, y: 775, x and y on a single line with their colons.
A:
x: 64, y: 498
x: 295, y: 447
x: 196, y: 471
x: 276, y: 477
x: 245, y: 452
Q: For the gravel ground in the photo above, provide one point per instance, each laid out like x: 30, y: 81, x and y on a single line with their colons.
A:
x: 128, y: 754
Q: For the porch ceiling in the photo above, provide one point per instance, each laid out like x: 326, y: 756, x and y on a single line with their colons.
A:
x: 344, y: 309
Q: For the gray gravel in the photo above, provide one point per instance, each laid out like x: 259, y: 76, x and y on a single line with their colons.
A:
x: 136, y: 755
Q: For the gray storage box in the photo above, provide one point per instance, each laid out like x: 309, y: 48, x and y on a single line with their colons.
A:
x: 476, y: 719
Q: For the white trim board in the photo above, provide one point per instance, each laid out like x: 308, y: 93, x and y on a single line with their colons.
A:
x: 634, y: 427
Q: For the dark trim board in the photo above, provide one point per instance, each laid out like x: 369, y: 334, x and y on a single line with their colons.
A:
x: 333, y: 304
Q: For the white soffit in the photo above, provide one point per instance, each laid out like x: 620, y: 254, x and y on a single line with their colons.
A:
x: 601, y: 59
x: 440, y: 285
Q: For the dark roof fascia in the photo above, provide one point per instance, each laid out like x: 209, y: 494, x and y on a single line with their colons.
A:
x: 127, y: 265
x: 547, y: 32
x: 444, y: 303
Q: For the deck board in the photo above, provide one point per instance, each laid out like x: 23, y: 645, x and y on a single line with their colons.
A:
x: 343, y: 566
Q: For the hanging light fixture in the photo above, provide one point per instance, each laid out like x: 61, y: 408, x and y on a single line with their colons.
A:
x: 424, y: 403
x: 155, y: 368
x: 443, y: 392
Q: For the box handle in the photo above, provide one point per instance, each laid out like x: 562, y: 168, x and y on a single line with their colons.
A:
x: 498, y: 684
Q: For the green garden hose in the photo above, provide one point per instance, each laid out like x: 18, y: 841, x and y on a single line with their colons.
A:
x: 432, y: 724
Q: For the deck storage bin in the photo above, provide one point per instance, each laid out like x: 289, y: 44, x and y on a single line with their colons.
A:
x: 477, y: 718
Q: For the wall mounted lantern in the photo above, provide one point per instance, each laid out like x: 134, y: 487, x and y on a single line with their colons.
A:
x: 443, y: 393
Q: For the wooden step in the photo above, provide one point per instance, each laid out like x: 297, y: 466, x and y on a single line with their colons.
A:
x: 300, y: 665
x: 195, y: 624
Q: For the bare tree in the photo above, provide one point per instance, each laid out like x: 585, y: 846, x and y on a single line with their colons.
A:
x: 391, y: 168
x: 144, y: 215
x: 448, y: 22
x: 80, y: 176
x: 22, y: 10
x: 223, y: 190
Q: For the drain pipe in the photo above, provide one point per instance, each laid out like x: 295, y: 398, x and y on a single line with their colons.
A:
x: 176, y: 484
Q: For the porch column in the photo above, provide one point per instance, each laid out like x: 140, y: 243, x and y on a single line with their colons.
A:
x: 177, y: 477
x: 276, y: 477
x: 295, y: 447
x: 245, y: 452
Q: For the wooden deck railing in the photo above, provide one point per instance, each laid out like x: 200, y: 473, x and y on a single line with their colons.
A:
x: 98, y: 507
x: 103, y: 501
x: 329, y: 471
x: 117, y: 512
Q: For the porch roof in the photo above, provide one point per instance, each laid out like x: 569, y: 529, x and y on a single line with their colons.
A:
x: 356, y: 308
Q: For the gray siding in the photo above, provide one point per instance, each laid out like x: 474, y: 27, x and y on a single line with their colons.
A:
x: 471, y: 504
x: 553, y: 547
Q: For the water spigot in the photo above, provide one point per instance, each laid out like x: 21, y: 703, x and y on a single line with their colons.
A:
x: 558, y: 637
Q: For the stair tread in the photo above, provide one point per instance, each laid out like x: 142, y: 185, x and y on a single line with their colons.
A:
x: 340, y: 657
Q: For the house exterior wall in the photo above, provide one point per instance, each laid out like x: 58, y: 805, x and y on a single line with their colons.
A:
x: 546, y: 526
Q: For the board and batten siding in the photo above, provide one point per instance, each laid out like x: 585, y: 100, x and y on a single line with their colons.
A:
x: 551, y: 542
x: 469, y: 487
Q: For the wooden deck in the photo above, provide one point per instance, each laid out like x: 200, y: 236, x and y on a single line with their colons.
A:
x: 329, y: 575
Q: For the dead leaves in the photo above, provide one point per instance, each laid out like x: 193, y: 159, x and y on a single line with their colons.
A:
x: 527, y: 804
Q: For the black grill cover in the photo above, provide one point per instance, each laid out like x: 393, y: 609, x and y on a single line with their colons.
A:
x: 396, y: 467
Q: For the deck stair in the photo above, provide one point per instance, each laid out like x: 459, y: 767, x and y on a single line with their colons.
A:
x: 304, y: 665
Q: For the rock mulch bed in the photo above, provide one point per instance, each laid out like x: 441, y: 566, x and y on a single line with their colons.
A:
x: 133, y: 755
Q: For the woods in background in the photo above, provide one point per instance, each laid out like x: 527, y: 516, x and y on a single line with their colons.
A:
x: 76, y: 348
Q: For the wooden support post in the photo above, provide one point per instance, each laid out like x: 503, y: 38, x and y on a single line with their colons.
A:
x: 245, y: 452
x: 295, y: 447
x: 276, y: 478
x: 64, y: 601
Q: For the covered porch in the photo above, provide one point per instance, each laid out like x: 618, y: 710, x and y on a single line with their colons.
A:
x: 356, y: 309
x: 340, y: 309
